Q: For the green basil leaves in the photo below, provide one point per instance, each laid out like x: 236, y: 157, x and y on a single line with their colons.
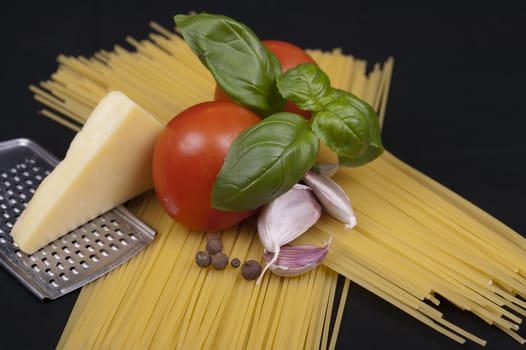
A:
x: 267, y: 159
x: 348, y: 125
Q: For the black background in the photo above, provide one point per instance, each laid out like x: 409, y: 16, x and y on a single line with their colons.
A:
x: 456, y: 112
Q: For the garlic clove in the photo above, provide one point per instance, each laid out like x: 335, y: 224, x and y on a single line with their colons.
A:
x: 332, y: 197
x: 296, y: 260
x: 286, y: 218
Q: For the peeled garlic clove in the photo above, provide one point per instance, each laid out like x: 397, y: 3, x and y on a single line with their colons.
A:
x: 287, y: 217
x: 296, y: 260
x: 332, y: 197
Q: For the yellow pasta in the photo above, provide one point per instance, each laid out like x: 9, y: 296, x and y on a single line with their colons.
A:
x: 415, y: 242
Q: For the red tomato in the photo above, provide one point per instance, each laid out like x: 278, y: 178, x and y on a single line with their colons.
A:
x: 289, y: 56
x: 187, y: 157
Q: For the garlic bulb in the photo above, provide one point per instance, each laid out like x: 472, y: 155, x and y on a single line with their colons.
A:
x: 332, y: 197
x: 286, y: 218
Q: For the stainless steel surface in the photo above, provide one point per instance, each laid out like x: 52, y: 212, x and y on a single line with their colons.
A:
x: 76, y: 258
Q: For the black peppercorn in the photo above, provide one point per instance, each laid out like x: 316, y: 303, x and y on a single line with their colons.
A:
x: 251, y: 269
x: 202, y: 258
x: 214, y: 246
x: 235, y: 262
x: 219, y: 261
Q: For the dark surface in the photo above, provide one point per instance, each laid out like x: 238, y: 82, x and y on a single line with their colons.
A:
x: 456, y: 112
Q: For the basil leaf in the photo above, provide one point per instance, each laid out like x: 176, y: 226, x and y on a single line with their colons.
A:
x: 375, y: 146
x: 240, y: 64
x: 349, y: 127
x: 304, y: 85
x: 371, y: 154
x: 343, y: 129
x: 265, y: 161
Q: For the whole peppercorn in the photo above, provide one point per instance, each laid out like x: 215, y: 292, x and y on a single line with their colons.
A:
x: 219, y: 261
x: 214, y: 246
x: 251, y: 269
x: 202, y: 259
x: 235, y: 262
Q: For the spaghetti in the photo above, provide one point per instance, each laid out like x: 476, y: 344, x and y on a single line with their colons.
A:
x: 415, y: 242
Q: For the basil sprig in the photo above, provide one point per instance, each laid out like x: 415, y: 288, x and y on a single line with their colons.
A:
x: 348, y: 125
x: 267, y: 159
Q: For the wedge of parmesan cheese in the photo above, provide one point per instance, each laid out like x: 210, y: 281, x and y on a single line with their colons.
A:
x: 107, y: 163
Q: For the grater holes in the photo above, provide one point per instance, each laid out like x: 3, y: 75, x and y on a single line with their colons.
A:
x: 133, y: 236
x: 109, y: 237
x: 94, y: 258
x: 104, y: 252
x: 74, y: 270
x: 63, y: 276
x: 35, y: 267
x: 84, y: 264
x: 60, y: 266
x: 123, y: 241
x: 53, y: 283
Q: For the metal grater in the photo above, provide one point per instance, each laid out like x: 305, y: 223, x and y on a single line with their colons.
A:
x: 74, y: 259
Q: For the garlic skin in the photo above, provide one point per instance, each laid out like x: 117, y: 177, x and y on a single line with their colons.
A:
x: 296, y: 260
x: 332, y: 197
x: 286, y: 218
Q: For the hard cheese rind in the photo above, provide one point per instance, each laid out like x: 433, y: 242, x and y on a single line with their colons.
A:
x: 107, y: 163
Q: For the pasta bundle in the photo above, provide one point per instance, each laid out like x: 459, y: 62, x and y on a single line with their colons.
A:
x: 415, y: 242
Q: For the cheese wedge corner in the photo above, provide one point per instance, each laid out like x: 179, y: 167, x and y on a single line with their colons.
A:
x: 107, y: 163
